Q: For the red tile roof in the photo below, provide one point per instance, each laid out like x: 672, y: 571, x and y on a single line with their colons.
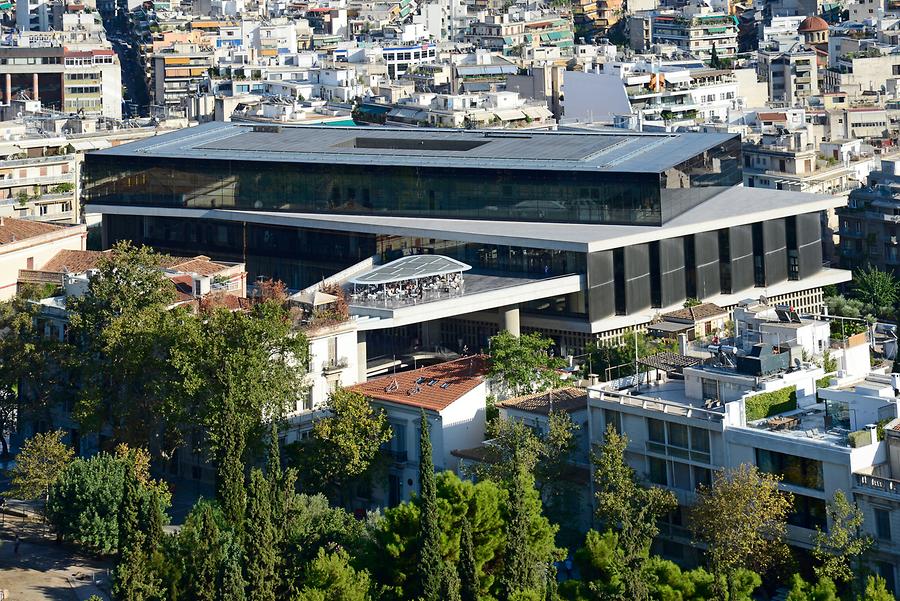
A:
x: 771, y: 116
x: 15, y: 230
x: 452, y: 380
x: 72, y: 261
x: 697, y: 312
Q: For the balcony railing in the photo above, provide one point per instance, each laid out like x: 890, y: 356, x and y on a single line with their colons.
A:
x: 875, y: 483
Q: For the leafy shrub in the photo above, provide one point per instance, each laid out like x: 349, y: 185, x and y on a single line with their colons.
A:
x: 766, y: 404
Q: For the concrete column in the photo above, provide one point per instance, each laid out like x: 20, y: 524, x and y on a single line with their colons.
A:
x: 431, y: 334
x: 509, y: 319
x: 8, y: 88
x: 361, y: 356
x: 34, y: 85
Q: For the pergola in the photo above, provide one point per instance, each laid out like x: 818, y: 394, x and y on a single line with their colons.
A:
x: 409, y: 269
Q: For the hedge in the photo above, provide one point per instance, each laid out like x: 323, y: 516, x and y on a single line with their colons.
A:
x: 766, y: 404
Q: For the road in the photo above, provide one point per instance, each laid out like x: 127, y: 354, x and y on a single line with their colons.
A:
x: 136, y: 95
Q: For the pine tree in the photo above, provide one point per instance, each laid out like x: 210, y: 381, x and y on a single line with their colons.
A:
x: 468, y: 574
x: 430, y: 566
x: 516, y: 573
x: 259, y: 544
x: 134, y: 579
x: 232, y: 581
x: 230, y: 473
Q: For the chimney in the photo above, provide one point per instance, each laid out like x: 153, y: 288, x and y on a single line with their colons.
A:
x: 1, y: 221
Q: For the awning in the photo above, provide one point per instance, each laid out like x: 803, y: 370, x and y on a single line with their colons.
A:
x: 537, y: 112
x: 83, y: 145
x: 316, y: 298
x: 509, y: 115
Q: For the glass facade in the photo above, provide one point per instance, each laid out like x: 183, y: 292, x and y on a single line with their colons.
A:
x: 472, y: 193
x: 302, y: 256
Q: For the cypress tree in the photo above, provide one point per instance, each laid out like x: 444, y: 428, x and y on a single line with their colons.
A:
x: 134, y: 580
x: 232, y: 581
x: 516, y: 573
x: 468, y: 571
x: 275, y: 477
x: 430, y: 566
x: 259, y: 546
x: 450, y: 584
x: 230, y: 473
x: 201, y: 544
x: 154, y: 523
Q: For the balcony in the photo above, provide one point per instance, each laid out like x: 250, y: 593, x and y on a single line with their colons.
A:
x: 335, y: 365
x: 874, y: 484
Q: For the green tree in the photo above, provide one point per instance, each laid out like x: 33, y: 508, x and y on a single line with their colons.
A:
x: 517, y: 565
x: 530, y: 548
x: 344, y: 444
x: 392, y: 554
x: 692, y: 302
x: 232, y: 581
x: 839, y: 551
x: 330, y: 577
x: 134, y: 579
x: 35, y: 370
x: 876, y: 590
x: 312, y: 524
x: 238, y: 370
x: 546, y: 456
x: 524, y: 364
x: 43, y: 459
x: 84, y: 503
x: 430, y: 566
x: 468, y: 572
x: 260, y: 551
x: 230, y: 481
x: 632, y: 510
x: 878, y: 290
x: 203, y: 542
x: 123, y: 331
x: 753, y: 536
x: 800, y: 590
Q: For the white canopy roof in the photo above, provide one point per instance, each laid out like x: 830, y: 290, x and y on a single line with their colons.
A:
x: 412, y: 267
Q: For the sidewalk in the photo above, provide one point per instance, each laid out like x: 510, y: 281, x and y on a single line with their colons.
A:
x: 44, y: 570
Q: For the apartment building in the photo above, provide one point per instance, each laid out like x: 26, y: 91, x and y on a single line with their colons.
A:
x: 792, y: 76
x: 726, y: 413
x: 790, y: 160
x: 696, y: 31
x: 453, y: 396
x: 26, y: 244
x: 178, y: 73
x: 862, y: 74
x: 666, y: 94
x: 85, y: 79
x: 41, y: 188
x: 870, y: 223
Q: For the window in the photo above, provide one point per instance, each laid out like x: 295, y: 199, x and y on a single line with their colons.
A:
x: 700, y: 440
x: 657, y: 471
x: 883, y: 524
x: 808, y: 512
x: 797, y: 471
x: 656, y: 430
x: 614, y: 419
x: 678, y: 435
x: 702, y: 477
